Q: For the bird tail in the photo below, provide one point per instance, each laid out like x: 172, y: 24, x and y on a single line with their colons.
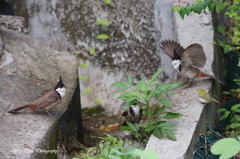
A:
x: 203, y: 74
x: 22, y: 107
x: 215, y: 100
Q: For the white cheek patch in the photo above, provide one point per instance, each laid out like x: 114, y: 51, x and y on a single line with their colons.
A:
x: 61, y: 91
x: 136, y: 109
x: 176, y: 64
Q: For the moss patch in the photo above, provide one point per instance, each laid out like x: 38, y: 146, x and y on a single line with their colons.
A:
x: 96, y: 110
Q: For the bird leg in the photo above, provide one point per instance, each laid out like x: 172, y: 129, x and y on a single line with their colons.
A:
x: 191, y: 83
x: 186, y: 81
x: 50, y: 114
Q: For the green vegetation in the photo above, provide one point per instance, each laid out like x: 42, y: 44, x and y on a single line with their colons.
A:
x: 232, y: 11
x: 113, y: 148
x: 227, y: 147
x: 146, y: 91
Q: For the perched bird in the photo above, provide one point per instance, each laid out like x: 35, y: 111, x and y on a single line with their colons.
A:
x: 187, y: 62
x: 133, y: 114
x: 204, y: 97
x: 47, y: 101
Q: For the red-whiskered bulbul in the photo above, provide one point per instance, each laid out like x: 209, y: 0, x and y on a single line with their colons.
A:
x: 47, y: 101
x: 187, y: 62
x: 133, y: 114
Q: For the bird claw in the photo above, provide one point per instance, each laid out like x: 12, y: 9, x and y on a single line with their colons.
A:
x: 50, y: 115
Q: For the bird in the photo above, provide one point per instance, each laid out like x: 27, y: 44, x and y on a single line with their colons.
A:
x: 133, y: 114
x: 205, y: 97
x: 187, y: 62
x: 48, y: 100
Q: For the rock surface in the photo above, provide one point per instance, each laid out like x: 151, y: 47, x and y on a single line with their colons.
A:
x: 33, y: 71
x: 70, y: 26
x: 193, y: 29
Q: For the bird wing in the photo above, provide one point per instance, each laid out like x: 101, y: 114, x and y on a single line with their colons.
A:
x: 194, y: 55
x: 168, y: 47
x: 47, y: 100
x: 205, y: 96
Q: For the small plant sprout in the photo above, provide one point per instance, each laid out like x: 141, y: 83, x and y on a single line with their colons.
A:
x: 145, y: 91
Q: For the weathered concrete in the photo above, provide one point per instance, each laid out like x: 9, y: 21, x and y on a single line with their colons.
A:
x: 136, y: 28
x: 12, y: 22
x: 193, y: 29
x: 70, y: 26
x: 33, y: 71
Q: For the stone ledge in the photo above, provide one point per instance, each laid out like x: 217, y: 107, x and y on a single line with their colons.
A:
x: 34, y: 70
x: 193, y: 29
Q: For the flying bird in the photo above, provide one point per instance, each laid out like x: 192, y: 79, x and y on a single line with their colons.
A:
x: 187, y: 62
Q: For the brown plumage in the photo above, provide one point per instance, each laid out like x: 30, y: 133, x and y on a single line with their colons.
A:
x: 190, y: 60
x: 169, y: 45
x: 47, y: 101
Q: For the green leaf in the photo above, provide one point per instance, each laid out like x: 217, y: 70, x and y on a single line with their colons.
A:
x: 157, y: 133
x: 236, y: 108
x: 84, y: 78
x: 237, y: 117
x: 238, y: 62
x: 129, y: 80
x: 108, y: 1
x: 154, y: 121
x: 154, y: 76
x: 131, y: 126
x: 125, y: 128
x: 226, y: 92
x: 105, y: 152
x: 170, y: 135
x: 84, y: 65
x: 122, y: 89
x: 230, y: 152
x: 221, y: 29
x: 171, y: 92
x: 133, y: 94
x: 98, y: 100
x: 222, y: 110
x: 140, y: 84
x: 166, y: 102
x: 176, y: 9
x: 119, y: 84
x: 163, y: 87
x: 127, y: 106
x: 92, y: 51
x: 113, y: 156
x: 227, y: 49
x: 160, y: 111
x: 103, y: 36
x: 170, y: 115
x: 222, y: 145
x: 129, y: 99
x: 154, y: 82
x: 121, y: 96
x: 174, y: 85
x: 165, y: 124
x: 87, y: 90
x: 148, y: 96
x: 225, y: 115
x: 150, y: 127
x: 221, y: 6
x: 235, y: 125
x: 102, y: 22
x: 170, y: 128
